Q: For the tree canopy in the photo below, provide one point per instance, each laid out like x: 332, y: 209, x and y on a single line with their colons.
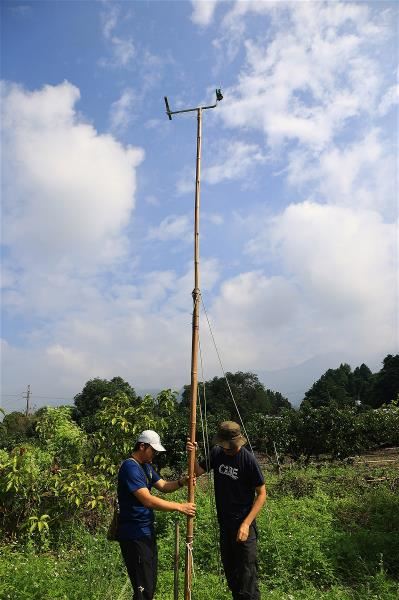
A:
x: 333, y: 386
x: 249, y: 393
x: 385, y: 388
x: 345, y: 388
x: 360, y: 384
x: 88, y: 401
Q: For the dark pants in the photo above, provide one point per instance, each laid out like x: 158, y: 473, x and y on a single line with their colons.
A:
x: 240, y: 564
x: 141, y: 560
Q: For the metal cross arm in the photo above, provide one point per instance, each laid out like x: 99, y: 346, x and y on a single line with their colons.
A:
x: 169, y: 112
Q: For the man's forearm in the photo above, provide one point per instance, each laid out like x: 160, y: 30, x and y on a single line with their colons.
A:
x: 172, y: 486
x: 256, y: 507
x: 159, y: 504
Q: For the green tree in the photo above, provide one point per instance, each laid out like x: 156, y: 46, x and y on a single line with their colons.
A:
x: 88, y: 401
x: 379, y: 427
x: 33, y: 489
x: 332, y: 387
x: 249, y: 394
x: 385, y: 386
x: 119, y: 420
x: 60, y: 435
x: 270, y: 433
x: 360, y: 383
x: 174, y: 438
x: 16, y: 428
x: 277, y: 403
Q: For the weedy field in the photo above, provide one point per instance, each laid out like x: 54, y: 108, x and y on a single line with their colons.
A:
x: 329, y: 531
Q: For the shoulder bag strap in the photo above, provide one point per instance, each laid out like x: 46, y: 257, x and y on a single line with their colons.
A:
x: 148, y: 476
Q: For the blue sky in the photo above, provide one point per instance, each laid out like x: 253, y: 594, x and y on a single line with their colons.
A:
x: 298, y: 199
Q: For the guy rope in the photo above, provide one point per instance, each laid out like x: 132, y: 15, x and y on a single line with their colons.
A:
x: 207, y: 449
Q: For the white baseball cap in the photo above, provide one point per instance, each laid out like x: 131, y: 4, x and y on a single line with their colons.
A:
x: 151, y: 437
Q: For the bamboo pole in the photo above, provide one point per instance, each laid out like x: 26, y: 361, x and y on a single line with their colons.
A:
x: 195, y: 338
x: 277, y: 458
x: 194, y: 366
x: 176, y: 561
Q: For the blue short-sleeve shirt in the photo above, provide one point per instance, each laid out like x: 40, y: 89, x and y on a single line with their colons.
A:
x: 135, y: 520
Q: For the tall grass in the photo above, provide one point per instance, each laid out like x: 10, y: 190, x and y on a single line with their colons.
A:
x: 325, y: 533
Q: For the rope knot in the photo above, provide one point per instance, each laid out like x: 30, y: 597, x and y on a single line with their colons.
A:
x: 190, y: 558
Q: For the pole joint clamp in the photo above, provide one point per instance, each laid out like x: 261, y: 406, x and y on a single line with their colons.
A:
x: 196, y: 294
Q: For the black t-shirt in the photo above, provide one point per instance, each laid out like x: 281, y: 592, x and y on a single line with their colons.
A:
x: 236, y: 478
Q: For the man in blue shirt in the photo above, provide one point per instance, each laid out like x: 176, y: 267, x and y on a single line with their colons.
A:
x: 135, y: 533
x: 240, y: 494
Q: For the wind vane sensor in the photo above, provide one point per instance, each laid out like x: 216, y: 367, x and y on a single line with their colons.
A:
x: 219, y: 97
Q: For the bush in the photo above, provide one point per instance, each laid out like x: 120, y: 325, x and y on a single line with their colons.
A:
x: 32, y: 486
x: 61, y: 436
x: 337, y: 432
x: 379, y: 427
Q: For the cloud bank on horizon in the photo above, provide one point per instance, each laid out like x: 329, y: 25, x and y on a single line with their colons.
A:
x: 299, y: 223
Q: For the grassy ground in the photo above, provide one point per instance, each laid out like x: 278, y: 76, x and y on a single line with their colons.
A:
x: 329, y: 533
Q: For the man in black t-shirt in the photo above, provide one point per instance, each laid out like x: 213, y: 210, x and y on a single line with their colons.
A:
x: 240, y: 493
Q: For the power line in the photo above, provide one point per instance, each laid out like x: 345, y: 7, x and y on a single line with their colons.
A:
x: 7, y: 403
x: 14, y: 401
x: 51, y: 397
x: 34, y: 396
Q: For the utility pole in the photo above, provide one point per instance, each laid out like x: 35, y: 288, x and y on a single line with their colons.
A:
x: 194, y: 340
x: 27, y: 410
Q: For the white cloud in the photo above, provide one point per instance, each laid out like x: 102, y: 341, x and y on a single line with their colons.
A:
x: 152, y: 69
x: 68, y: 192
x: 360, y: 174
x: 203, y: 12
x: 123, y: 51
x: 213, y: 218
x: 314, y: 84
x: 122, y: 48
x: 186, y: 182
x: 121, y: 112
x: 312, y: 73
x: 153, y: 123
x: 173, y: 227
x: 253, y: 318
x: 126, y: 52
x: 337, y: 292
x: 390, y: 99
x: 343, y: 264
x: 338, y: 252
x: 237, y: 160
x: 140, y: 330
x: 233, y: 160
x: 238, y: 11
x: 69, y: 359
